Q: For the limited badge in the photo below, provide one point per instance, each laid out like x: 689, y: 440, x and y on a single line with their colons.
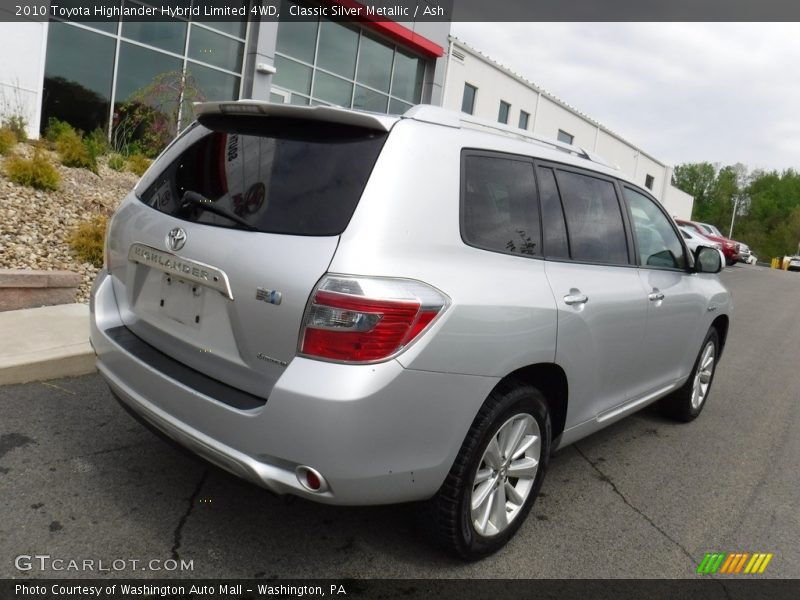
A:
x: 270, y: 296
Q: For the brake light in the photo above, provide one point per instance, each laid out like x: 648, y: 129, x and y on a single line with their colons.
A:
x: 363, y: 319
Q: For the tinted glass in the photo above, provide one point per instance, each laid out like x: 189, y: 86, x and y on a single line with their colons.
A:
x: 499, y: 209
x: 374, y: 64
x: 468, y: 101
x: 167, y: 34
x: 502, y: 116
x: 396, y: 107
x: 292, y: 75
x: 409, y: 72
x: 281, y: 176
x: 594, y: 220
x: 77, y: 79
x: 215, y: 85
x: 297, y: 38
x: 523, y: 119
x: 337, y: 48
x: 565, y: 137
x: 366, y: 99
x: 657, y: 244
x: 332, y: 89
x: 139, y: 66
x: 555, y: 231
x: 215, y: 49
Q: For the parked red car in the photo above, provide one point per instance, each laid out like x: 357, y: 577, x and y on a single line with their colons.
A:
x: 730, y: 248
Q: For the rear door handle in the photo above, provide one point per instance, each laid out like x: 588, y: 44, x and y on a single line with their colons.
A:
x: 575, y: 299
x: 655, y: 296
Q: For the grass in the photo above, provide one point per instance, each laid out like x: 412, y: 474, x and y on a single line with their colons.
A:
x: 37, y: 172
x: 8, y: 139
x: 138, y: 163
x: 76, y: 152
x: 87, y: 240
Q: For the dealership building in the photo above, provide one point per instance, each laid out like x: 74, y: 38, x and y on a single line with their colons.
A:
x: 83, y: 72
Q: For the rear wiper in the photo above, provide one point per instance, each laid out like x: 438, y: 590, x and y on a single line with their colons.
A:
x: 198, y: 200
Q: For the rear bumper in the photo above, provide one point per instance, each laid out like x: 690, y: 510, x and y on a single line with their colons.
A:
x: 377, y: 433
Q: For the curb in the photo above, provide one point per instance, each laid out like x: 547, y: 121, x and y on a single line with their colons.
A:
x: 45, y: 343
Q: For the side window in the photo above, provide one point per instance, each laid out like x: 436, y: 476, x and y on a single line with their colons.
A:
x: 499, y: 210
x: 555, y: 231
x: 594, y: 220
x: 656, y: 240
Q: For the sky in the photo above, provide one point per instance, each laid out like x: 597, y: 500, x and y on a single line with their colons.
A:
x: 683, y: 92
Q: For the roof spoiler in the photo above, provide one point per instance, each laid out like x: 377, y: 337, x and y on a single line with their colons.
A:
x: 327, y: 114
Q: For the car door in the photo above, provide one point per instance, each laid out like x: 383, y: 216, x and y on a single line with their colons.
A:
x: 675, y: 305
x: 602, y: 309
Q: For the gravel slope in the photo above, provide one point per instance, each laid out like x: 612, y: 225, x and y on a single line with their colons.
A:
x: 34, y: 224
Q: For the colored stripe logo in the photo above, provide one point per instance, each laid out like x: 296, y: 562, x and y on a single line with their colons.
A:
x: 734, y: 563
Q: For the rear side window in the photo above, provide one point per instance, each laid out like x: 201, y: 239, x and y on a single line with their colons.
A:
x: 272, y: 175
x: 594, y: 220
x: 499, y: 209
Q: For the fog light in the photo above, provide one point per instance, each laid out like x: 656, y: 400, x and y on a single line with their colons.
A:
x: 311, y: 479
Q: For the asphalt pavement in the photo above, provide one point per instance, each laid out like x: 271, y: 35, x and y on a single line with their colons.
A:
x: 645, y: 498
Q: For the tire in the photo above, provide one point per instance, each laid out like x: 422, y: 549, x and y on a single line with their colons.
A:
x: 686, y: 403
x: 730, y: 262
x: 513, y: 410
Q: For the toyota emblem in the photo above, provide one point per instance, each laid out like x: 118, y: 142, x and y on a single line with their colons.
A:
x: 176, y: 238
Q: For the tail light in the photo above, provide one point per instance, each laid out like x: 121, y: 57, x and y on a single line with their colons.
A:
x: 366, y: 319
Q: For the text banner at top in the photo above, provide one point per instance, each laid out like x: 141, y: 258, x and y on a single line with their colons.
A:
x: 401, y: 10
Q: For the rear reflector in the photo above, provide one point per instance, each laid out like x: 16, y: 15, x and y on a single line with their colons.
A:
x: 362, y: 319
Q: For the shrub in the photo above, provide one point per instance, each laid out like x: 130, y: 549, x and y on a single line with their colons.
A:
x: 75, y: 152
x: 16, y: 123
x: 98, y: 142
x: 56, y: 129
x: 138, y: 164
x: 87, y: 240
x: 116, y: 161
x: 37, y: 172
x: 7, y: 140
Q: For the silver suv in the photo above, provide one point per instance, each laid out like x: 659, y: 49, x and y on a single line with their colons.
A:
x: 363, y: 309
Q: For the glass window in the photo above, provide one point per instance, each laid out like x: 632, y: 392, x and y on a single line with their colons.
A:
x: 366, y: 99
x: 565, y: 137
x: 594, y: 220
x: 468, y: 101
x: 337, y: 49
x: 292, y: 75
x: 656, y: 241
x: 396, y: 107
x: 215, y: 85
x: 138, y: 67
x: 280, y: 176
x: 505, y: 108
x: 167, y: 34
x: 78, y: 74
x: 374, y: 64
x: 332, y: 89
x: 215, y: 49
x: 230, y: 25
x: 409, y: 73
x: 499, y: 205
x: 649, y: 180
x: 523, y: 119
x: 109, y: 26
x: 297, y: 39
x: 555, y: 230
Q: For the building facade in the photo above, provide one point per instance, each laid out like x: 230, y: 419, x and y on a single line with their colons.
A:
x: 83, y: 72
x: 477, y: 85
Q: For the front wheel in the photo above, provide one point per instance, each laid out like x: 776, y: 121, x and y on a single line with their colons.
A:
x: 496, y: 476
x: 686, y: 403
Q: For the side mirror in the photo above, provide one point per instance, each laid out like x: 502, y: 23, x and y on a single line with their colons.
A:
x: 707, y: 260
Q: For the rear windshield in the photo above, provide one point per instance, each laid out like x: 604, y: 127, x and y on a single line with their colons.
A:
x: 274, y: 175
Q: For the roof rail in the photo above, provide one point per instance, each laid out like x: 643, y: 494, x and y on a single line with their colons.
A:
x: 449, y: 118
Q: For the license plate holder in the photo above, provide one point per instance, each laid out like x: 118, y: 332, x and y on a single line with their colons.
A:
x: 182, y: 300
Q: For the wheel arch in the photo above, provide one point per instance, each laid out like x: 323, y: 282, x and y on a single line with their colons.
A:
x: 551, y: 380
x: 721, y: 324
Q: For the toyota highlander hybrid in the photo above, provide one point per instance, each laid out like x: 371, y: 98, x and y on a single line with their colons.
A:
x: 365, y: 309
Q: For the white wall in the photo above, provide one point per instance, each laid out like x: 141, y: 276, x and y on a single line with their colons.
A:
x: 22, y: 56
x: 548, y: 115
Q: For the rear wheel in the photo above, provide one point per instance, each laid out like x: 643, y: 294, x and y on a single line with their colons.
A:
x: 496, y: 476
x: 687, y: 403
